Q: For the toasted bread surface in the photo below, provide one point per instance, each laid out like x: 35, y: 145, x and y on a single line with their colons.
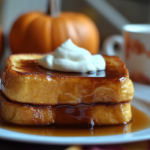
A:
x: 23, y: 80
x: 94, y: 114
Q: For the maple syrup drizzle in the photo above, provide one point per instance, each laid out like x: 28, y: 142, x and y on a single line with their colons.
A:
x: 111, y: 72
x: 140, y: 121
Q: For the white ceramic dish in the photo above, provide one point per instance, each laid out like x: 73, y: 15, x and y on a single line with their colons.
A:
x: 141, y: 101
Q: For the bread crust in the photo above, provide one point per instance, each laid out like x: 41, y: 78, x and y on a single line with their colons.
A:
x: 25, y: 84
x: 94, y: 114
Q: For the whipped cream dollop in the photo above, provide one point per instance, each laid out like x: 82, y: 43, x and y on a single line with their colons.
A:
x: 71, y: 58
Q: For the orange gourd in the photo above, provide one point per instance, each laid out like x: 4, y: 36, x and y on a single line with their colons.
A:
x: 36, y: 32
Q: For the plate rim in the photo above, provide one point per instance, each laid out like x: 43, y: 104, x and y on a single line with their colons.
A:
x: 102, y: 140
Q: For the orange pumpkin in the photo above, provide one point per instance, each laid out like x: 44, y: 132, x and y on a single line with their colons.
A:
x: 36, y: 32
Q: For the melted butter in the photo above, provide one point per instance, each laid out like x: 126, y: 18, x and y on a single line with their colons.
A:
x: 140, y: 121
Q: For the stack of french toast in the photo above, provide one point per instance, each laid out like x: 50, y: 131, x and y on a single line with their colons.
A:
x: 32, y: 95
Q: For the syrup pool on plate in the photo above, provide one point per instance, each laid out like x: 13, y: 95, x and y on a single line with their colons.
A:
x: 140, y: 121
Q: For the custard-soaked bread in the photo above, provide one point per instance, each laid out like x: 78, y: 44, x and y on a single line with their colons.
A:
x: 23, y: 80
x: 95, y: 114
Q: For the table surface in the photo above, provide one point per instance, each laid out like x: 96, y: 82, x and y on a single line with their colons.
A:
x: 6, y: 145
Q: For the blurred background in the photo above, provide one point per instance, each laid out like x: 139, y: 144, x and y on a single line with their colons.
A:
x: 108, y: 15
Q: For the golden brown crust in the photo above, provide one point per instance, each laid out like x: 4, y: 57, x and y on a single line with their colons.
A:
x: 24, y: 81
x: 98, y: 114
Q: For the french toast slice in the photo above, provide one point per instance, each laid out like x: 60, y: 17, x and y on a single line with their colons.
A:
x: 95, y: 114
x: 23, y: 80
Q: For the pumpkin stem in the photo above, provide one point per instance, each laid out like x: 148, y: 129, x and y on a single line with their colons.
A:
x: 55, y: 8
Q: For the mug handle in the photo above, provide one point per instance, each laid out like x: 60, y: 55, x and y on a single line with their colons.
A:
x: 109, y: 43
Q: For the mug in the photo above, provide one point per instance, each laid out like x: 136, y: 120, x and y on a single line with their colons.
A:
x: 134, y: 50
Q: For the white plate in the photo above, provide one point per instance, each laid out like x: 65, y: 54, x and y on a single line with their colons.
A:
x: 141, y: 101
